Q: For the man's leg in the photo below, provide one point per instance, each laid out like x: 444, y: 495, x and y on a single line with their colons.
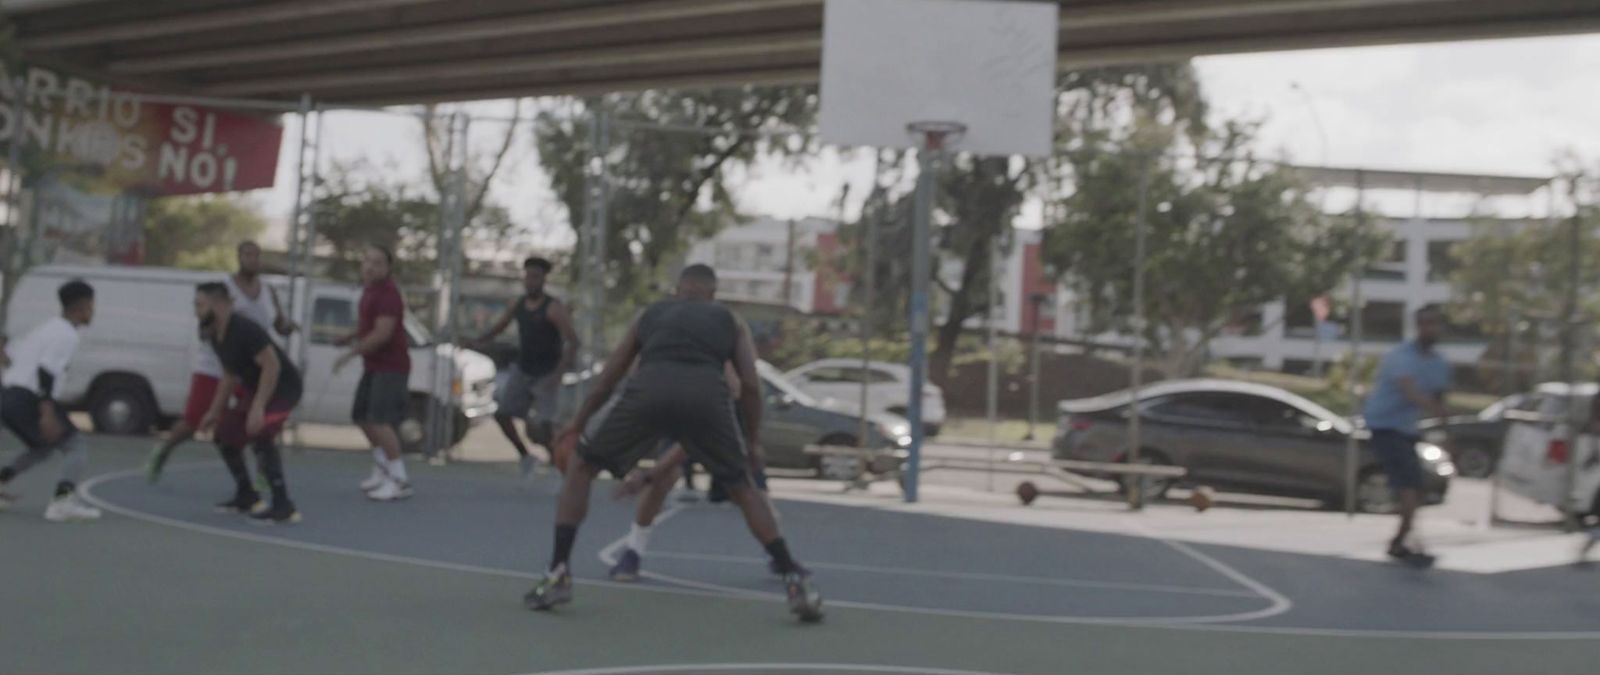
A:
x: 508, y: 427
x: 270, y: 460
x: 511, y: 402
x: 646, y: 510
x: 245, y: 499
x: 572, y: 506
x: 804, y: 600
x: 1409, y: 500
x: 74, y: 461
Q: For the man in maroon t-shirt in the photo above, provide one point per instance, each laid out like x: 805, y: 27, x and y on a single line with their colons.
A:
x: 381, y: 399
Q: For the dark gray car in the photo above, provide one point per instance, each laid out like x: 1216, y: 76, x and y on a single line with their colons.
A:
x: 792, y: 420
x: 1238, y: 436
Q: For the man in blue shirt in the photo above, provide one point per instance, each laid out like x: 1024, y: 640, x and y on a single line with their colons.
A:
x: 1411, y: 384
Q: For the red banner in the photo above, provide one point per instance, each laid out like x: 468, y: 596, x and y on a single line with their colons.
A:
x: 129, y: 144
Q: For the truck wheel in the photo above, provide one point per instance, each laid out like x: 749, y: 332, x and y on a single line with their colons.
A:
x: 122, y: 407
x: 413, y: 431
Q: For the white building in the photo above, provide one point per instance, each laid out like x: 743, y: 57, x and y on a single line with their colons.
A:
x: 796, y: 263
x: 1414, y: 274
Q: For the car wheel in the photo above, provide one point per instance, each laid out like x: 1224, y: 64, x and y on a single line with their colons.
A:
x: 833, y: 467
x: 122, y: 407
x: 1373, y: 494
x: 1473, y: 461
x: 1153, y: 487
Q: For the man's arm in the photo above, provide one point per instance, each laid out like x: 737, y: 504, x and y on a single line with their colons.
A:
x: 1434, y: 405
x: 499, y: 326
x: 382, y: 329
x: 617, y: 366
x: 569, y: 338
x: 283, y: 324
x: 750, y: 403
x: 52, y: 370
x: 224, y: 389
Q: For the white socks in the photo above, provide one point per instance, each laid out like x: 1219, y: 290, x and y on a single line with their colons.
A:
x: 396, y: 469
x: 639, y: 538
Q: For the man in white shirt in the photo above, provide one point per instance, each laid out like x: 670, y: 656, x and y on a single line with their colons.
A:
x: 253, y: 299
x: 38, y: 366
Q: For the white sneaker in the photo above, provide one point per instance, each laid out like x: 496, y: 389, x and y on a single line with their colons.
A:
x: 390, y: 490
x: 526, y: 464
x: 376, y: 480
x: 68, y: 507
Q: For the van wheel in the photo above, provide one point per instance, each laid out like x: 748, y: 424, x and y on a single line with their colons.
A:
x: 122, y: 407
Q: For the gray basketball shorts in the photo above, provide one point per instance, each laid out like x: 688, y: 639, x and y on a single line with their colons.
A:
x: 534, y: 398
x: 680, y: 404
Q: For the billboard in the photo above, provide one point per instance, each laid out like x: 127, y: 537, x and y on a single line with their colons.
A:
x: 124, y: 143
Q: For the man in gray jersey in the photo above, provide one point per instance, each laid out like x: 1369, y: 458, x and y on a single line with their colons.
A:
x: 677, y: 392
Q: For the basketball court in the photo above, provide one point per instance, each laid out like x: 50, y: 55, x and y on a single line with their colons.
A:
x: 434, y: 584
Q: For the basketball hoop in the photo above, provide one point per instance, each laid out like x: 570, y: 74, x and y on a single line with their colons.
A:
x: 937, y: 135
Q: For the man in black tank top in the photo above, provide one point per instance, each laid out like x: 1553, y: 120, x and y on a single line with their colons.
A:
x: 677, y: 392
x: 547, y: 345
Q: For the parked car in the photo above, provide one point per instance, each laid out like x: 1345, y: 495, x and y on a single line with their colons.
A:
x: 1474, y: 441
x: 1238, y: 436
x: 132, y: 371
x: 792, y: 419
x: 888, y: 388
x: 1538, y: 458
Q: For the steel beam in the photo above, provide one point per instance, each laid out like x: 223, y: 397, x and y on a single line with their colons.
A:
x: 166, y: 26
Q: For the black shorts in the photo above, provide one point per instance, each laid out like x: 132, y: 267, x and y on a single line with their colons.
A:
x: 686, y: 404
x: 1397, y: 452
x: 381, y: 398
x: 19, y: 410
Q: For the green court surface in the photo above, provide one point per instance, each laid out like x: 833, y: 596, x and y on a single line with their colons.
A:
x: 434, y: 585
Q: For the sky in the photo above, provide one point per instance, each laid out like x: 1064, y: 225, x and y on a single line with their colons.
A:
x: 1496, y: 107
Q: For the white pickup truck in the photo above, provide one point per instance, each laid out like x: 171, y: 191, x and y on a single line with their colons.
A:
x: 1537, y: 456
x: 132, y: 370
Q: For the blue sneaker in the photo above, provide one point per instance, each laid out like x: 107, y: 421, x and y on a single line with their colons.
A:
x: 627, y: 567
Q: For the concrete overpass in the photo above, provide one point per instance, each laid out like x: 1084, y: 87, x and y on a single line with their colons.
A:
x: 407, y: 51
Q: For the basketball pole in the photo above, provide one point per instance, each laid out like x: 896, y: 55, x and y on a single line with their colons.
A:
x: 930, y: 138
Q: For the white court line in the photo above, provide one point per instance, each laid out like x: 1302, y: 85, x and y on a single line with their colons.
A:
x: 725, y: 667
x: 974, y: 576
x: 86, y: 490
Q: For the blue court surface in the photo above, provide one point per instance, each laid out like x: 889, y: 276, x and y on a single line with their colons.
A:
x: 433, y: 584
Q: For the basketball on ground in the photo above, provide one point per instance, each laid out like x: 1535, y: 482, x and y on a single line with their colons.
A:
x: 1027, y: 492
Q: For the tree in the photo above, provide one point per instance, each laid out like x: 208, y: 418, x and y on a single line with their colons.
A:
x: 666, y: 188
x: 200, y: 233
x: 1515, y: 280
x: 359, y: 205
x: 980, y: 197
x: 1226, y: 232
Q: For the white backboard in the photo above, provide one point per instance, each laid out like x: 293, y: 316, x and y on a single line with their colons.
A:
x: 987, y: 64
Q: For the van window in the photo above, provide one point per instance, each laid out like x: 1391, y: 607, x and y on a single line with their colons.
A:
x: 331, y: 319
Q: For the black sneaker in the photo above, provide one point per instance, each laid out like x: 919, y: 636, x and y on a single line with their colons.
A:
x: 279, y: 514
x: 1410, y: 558
x: 246, y: 503
x: 554, y: 589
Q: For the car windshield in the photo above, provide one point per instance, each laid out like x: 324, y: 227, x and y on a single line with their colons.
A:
x: 777, y: 381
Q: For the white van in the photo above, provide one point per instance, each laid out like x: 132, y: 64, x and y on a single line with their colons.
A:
x: 132, y: 370
x: 1536, y: 458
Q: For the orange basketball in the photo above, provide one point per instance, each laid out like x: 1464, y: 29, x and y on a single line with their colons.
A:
x: 1027, y: 492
